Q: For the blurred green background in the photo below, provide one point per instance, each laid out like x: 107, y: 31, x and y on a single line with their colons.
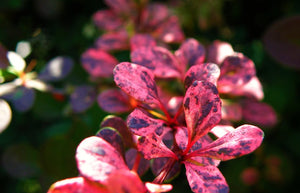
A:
x: 38, y: 147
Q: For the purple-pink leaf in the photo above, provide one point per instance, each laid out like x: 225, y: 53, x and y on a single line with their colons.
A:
x: 130, y: 158
x: 190, y: 52
x: 281, y: 41
x: 120, y: 125
x: 236, y: 70
x: 241, y: 141
x: 82, y: 98
x: 260, y: 113
x: 152, y: 133
x: 98, y: 63
x: 218, y: 51
x: 113, y: 137
x: 158, y: 59
x: 203, y: 72
x: 231, y: 111
x: 76, y: 185
x: 205, y: 179
x: 158, y: 164
x: 97, y: 159
x: 114, y: 101
x: 113, y: 41
x: 121, y: 6
x: 137, y: 81
x: 107, y: 20
x: 202, y: 107
x: 125, y: 181
x: 154, y: 15
x: 142, y: 40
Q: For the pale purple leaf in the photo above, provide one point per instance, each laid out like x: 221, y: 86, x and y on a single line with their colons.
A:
x: 202, y: 107
x: 158, y: 59
x: 130, y: 157
x: 137, y: 81
x: 190, y: 52
x: 203, y: 72
x: 113, y: 41
x: 107, y: 20
x: 82, y: 98
x: 114, y: 101
x: 97, y: 159
x: 241, y: 141
x: 205, y: 179
x: 98, y: 63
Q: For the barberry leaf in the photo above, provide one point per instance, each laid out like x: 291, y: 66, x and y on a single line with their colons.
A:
x: 98, y: 63
x: 113, y: 137
x: 82, y: 98
x: 130, y: 157
x: 156, y: 188
x: 259, y: 113
x: 205, y: 179
x: 203, y: 72
x: 236, y: 70
x: 158, y: 164
x: 241, y: 141
x: 57, y: 68
x: 97, y: 159
x: 5, y: 115
x: 4, y: 63
x: 154, y: 15
x: 218, y: 51
x: 142, y: 40
x: 113, y: 41
x: 22, y: 98
x: 158, y: 59
x: 190, y: 52
x: 137, y: 81
x: 202, y: 107
x: 152, y: 132
x: 221, y: 130
x: 77, y: 185
x: 122, y: 6
x: 231, y: 111
x: 125, y: 181
x: 114, y: 101
x: 107, y: 20
x: 120, y: 125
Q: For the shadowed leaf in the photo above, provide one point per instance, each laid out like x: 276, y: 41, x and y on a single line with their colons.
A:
x: 113, y: 41
x: 130, y: 157
x: 241, y: 141
x: 98, y: 63
x: 82, y: 98
x: 57, y: 69
x: 190, y: 52
x: 97, y: 159
x: 202, y: 107
x: 113, y: 137
x: 137, y: 81
x: 159, y: 163
x: 142, y: 40
x: 203, y: 72
x: 114, y: 101
x: 158, y: 59
x: 205, y: 179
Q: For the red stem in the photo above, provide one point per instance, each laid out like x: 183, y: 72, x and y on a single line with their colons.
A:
x: 165, y: 171
x: 136, y: 163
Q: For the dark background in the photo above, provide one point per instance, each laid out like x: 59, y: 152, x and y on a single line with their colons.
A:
x: 38, y: 147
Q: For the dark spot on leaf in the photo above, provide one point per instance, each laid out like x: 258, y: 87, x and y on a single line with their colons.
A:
x: 135, y: 123
x: 210, y: 177
x: 225, y: 150
x: 99, y: 151
x: 159, y: 130
x: 187, y: 103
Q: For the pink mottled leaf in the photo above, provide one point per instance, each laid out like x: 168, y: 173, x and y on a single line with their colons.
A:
x: 203, y: 72
x: 125, y: 181
x: 202, y: 107
x: 159, y: 163
x: 98, y: 63
x: 122, y: 6
x: 4, y: 63
x: 120, y: 125
x: 114, y: 101
x: 113, y: 41
x: 154, y: 15
x: 218, y: 51
x: 221, y: 130
x: 137, y: 81
x: 130, y: 158
x: 170, y: 31
x: 97, y: 159
x: 259, y: 113
x: 156, y: 188
x: 281, y: 41
x: 142, y: 40
x: 236, y: 71
x: 152, y: 133
x: 113, y: 137
x: 82, y: 98
x: 158, y: 59
x: 205, y: 179
x: 76, y: 185
x: 107, y: 20
x: 241, y: 141
x: 190, y: 52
